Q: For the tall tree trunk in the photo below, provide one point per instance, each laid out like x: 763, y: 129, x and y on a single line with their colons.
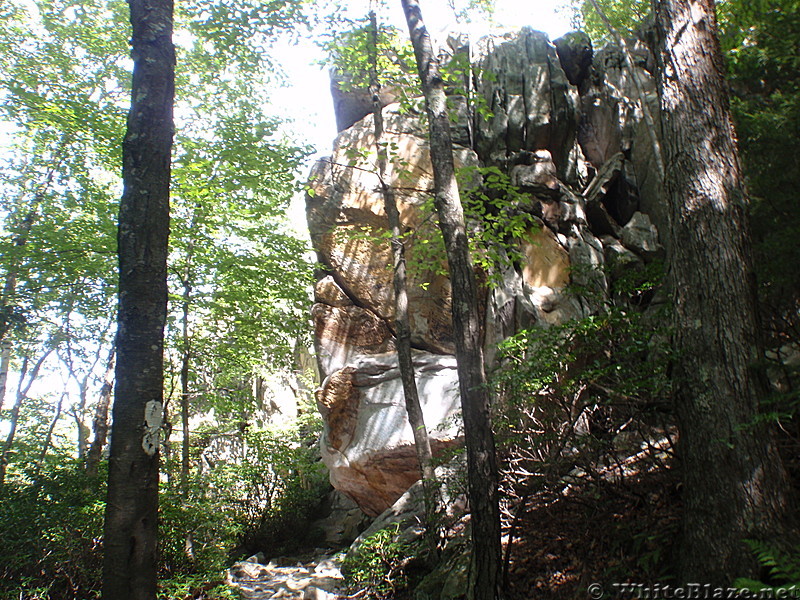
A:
x: 100, y: 421
x: 48, y: 438
x: 416, y: 418
x: 734, y: 484
x: 481, y: 460
x: 129, y: 568
x: 186, y: 358
x: 26, y: 380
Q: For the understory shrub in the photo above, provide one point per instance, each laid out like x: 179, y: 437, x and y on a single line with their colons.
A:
x: 51, y: 526
x: 51, y: 532
x: 383, y: 565
x: 582, y: 392
x: 587, y: 400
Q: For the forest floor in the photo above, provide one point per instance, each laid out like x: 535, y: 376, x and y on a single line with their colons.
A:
x: 621, y: 532
x: 603, y: 532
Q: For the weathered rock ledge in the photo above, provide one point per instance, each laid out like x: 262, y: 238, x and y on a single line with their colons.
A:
x: 575, y: 146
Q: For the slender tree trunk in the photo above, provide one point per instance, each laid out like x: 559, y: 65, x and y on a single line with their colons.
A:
x: 22, y: 393
x: 5, y: 366
x: 735, y: 487
x: 13, y: 422
x: 481, y: 460
x: 186, y: 357
x: 83, y: 430
x: 23, y: 232
x: 416, y: 418
x: 9, y: 290
x: 129, y: 568
x: 100, y: 421
x: 48, y: 438
x: 79, y: 411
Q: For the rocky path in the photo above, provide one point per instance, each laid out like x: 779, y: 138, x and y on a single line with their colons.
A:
x: 319, y: 578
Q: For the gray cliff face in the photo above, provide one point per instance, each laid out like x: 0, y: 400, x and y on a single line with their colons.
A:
x: 576, y: 148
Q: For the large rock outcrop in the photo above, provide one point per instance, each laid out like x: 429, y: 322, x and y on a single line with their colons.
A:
x: 571, y: 144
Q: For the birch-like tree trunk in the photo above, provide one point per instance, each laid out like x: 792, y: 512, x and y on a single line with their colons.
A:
x: 485, y: 573
x: 416, y: 418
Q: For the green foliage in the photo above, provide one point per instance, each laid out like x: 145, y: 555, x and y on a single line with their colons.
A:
x: 201, y: 586
x: 51, y: 531
x: 569, y: 391
x: 782, y: 570
x: 263, y: 489
x: 52, y: 526
x: 497, y: 220
x: 459, y: 74
x: 380, y: 565
x: 238, y: 34
x: 349, y: 44
x: 63, y: 77
x: 197, y: 532
x: 496, y: 210
x: 625, y: 17
x: 283, y: 481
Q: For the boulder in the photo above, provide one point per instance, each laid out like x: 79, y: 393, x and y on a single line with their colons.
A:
x: 367, y: 441
x: 349, y: 228
x: 575, y: 53
x: 538, y: 174
x: 612, y: 120
x: 342, y: 333
x: 530, y: 132
x: 352, y: 103
x: 344, y: 520
x: 546, y: 261
x: 641, y: 236
x: 533, y: 106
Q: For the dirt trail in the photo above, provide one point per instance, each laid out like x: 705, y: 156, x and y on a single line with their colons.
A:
x: 317, y: 579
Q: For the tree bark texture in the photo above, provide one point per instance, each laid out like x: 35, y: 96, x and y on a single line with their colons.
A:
x: 416, y: 418
x: 481, y: 458
x: 734, y: 484
x: 129, y: 568
x: 100, y: 420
